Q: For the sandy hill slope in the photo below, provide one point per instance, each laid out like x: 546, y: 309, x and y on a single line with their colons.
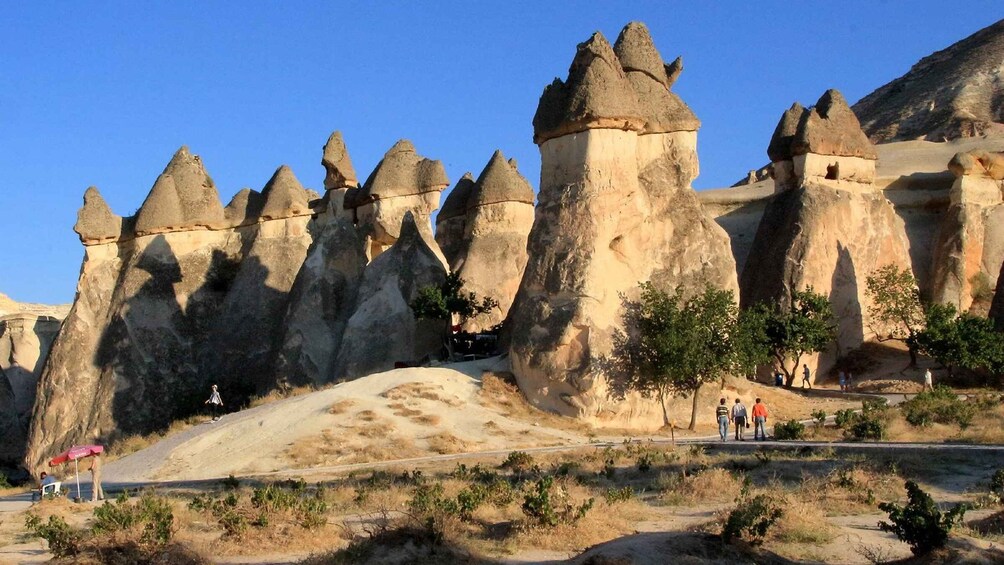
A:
x: 955, y: 92
x: 399, y: 414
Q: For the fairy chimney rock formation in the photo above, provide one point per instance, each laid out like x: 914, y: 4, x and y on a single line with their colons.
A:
x: 402, y: 182
x: 96, y: 223
x: 284, y: 196
x: 823, y: 142
x: 491, y: 252
x: 338, y: 170
x: 382, y: 329
x: 452, y: 218
x: 618, y: 154
x: 828, y: 227
x: 183, y: 197
x: 244, y: 208
x: 969, y: 245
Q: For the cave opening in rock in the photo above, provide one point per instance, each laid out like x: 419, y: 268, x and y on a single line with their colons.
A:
x: 833, y: 171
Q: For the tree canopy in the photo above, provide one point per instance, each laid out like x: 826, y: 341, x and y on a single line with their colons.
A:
x: 896, y: 312
x: 805, y: 326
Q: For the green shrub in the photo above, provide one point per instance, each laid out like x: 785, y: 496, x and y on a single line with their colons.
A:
x: 4, y: 482
x: 64, y: 541
x: 546, y: 506
x: 844, y: 417
x: 866, y: 427
x: 151, y: 512
x: 790, y: 430
x: 997, y: 483
x: 645, y: 462
x: 616, y: 495
x: 518, y: 462
x: 941, y: 405
x: 230, y: 483
x: 751, y: 519
x: 820, y: 417
x: 920, y: 523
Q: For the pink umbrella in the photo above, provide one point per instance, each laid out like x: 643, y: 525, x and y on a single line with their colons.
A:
x: 74, y: 454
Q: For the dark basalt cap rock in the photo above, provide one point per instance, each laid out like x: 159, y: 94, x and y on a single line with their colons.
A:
x: 183, y: 196
x: 244, y: 208
x: 456, y: 201
x: 779, y: 148
x: 284, y: 196
x: 831, y: 128
x: 500, y: 181
x: 95, y: 220
x: 401, y: 172
x: 596, y: 94
x: 338, y: 170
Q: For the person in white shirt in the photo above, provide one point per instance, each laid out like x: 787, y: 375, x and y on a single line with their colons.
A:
x: 739, y: 419
x: 215, y: 403
x: 928, y: 380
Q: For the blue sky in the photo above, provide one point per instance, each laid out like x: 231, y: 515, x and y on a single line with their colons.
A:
x: 104, y: 93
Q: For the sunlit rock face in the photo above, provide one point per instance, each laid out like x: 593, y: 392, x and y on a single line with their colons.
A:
x: 402, y: 182
x: 182, y: 295
x: 969, y: 245
x: 615, y: 208
x: 484, y: 233
x: 828, y: 226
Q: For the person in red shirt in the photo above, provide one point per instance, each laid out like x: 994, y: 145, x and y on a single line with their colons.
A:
x: 759, y: 420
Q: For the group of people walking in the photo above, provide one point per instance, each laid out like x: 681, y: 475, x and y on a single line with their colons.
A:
x: 739, y: 417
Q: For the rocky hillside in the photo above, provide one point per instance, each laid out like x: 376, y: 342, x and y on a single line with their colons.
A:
x: 956, y: 92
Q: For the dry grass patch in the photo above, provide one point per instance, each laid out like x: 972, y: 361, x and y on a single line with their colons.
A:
x: 341, y: 406
x: 711, y: 485
x: 408, y: 391
x: 427, y: 420
x: 283, y: 393
x: 366, y: 415
x: 499, y: 391
x: 126, y: 445
x: 403, y: 411
x: 445, y: 443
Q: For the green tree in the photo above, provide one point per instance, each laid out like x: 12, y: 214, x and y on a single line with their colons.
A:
x: 672, y: 347
x: 451, y: 303
x: 750, y: 346
x: 805, y: 326
x: 961, y: 341
x: 896, y: 312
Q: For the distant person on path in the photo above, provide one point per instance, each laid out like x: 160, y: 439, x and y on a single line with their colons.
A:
x: 759, y: 420
x: 739, y: 419
x: 850, y: 382
x: 843, y: 381
x: 778, y: 378
x: 215, y: 404
x: 928, y: 381
x: 96, y: 491
x: 806, y: 374
x: 722, y: 415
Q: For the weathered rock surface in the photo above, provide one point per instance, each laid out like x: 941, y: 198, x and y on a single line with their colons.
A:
x: 829, y: 227
x: 615, y: 208
x: 26, y: 334
x: 338, y: 169
x: 96, y: 223
x: 382, y: 330
x: 320, y: 303
x: 969, y: 246
x: 451, y: 221
x: 183, y: 197
x: 402, y: 182
x: 160, y: 316
x: 492, y: 253
x: 956, y: 92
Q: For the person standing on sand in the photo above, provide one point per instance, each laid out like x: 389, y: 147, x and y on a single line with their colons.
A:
x: 722, y: 415
x: 843, y: 381
x: 739, y: 419
x: 96, y: 491
x: 928, y: 380
x: 215, y: 403
x: 850, y: 382
x: 805, y: 377
x: 759, y: 421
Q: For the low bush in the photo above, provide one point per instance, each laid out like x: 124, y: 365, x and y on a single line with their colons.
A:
x: 997, y: 483
x: 843, y: 418
x: 920, y: 523
x: 519, y: 462
x: 941, y: 406
x: 869, y: 424
x: 152, y: 514
x: 820, y: 417
x: 790, y: 430
x: 548, y: 505
x: 751, y: 519
x: 617, y: 495
x: 64, y: 541
x: 276, y: 505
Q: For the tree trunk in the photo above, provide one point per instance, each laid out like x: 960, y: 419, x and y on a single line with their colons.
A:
x: 790, y: 375
x: 665, y: 413
x: 693, y: 410
x: 913, y: 356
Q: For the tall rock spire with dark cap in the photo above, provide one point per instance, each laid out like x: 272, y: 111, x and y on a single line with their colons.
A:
x: 182, y: 197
